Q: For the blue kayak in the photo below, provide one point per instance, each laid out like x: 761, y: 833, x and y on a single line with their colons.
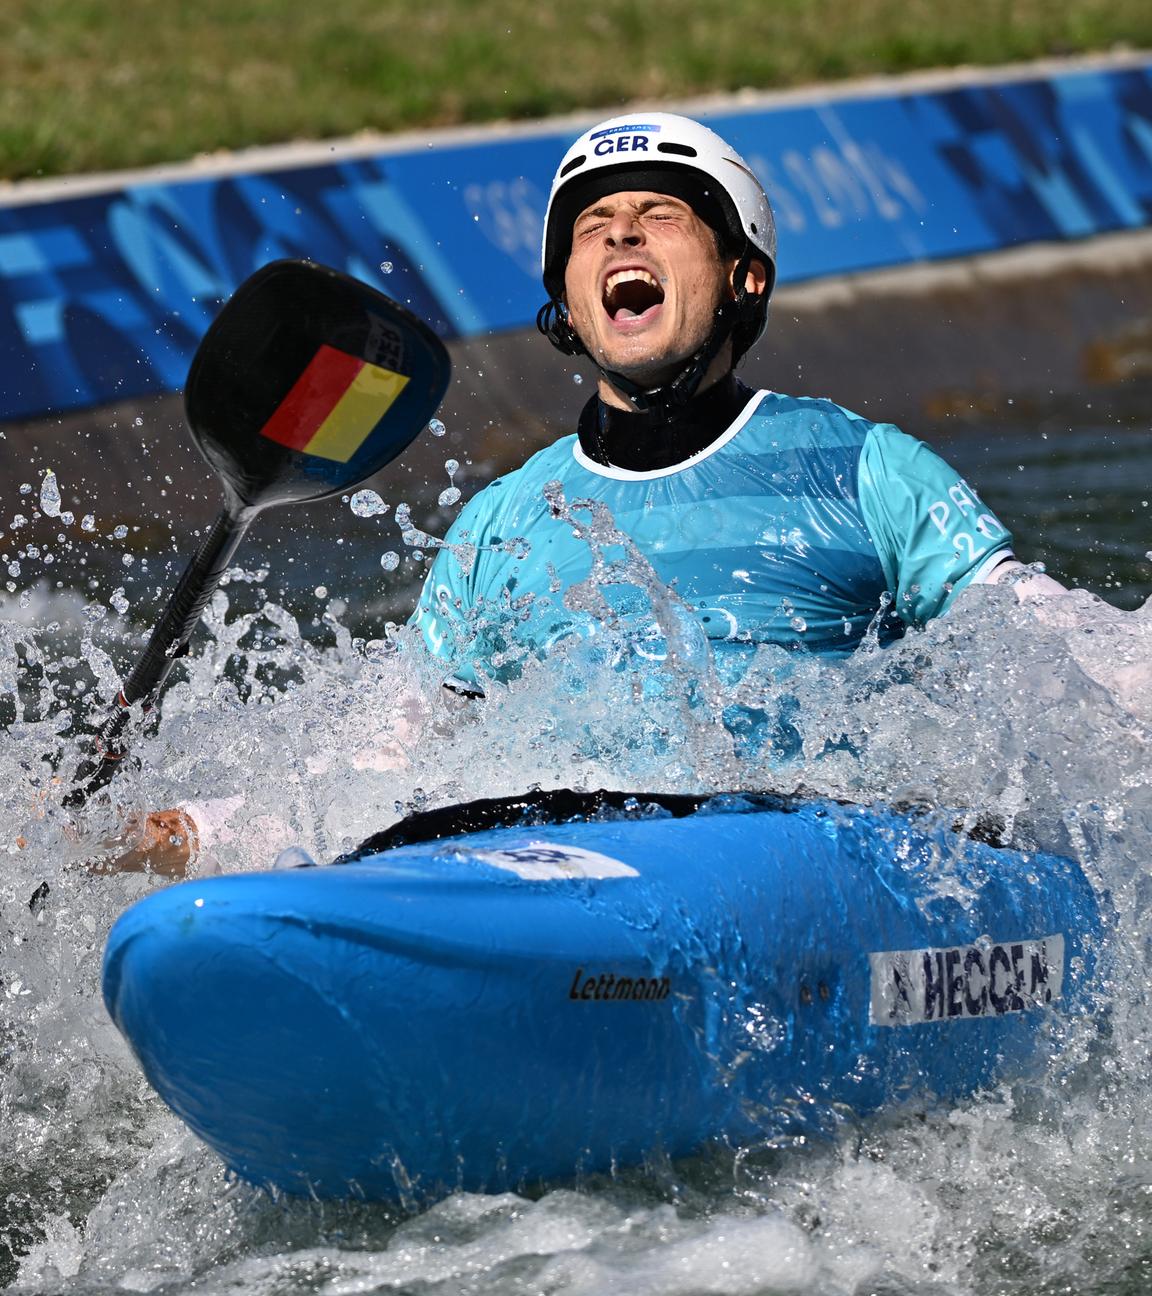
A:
x: 528, y: 1002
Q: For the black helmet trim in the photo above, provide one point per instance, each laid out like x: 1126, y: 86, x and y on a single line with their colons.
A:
x: 698, y: 190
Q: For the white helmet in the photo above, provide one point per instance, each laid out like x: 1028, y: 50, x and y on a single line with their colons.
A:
x: 662, y: 147
x: 663, y: 153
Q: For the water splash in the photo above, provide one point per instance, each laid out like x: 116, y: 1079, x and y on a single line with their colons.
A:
x: 367, y: 503
x: 988, y: 708
x: 50, y: 495
x: 452, y: 494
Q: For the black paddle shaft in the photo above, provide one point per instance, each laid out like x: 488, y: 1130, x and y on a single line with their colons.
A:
x: 169, y: 641
x: 306, y: 383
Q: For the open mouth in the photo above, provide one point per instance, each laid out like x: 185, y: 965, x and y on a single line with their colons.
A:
x: 629, y: 294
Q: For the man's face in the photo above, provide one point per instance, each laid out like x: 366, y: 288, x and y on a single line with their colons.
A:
x: 642, y: 284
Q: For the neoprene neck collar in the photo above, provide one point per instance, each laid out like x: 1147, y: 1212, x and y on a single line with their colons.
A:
x: 643, y: 442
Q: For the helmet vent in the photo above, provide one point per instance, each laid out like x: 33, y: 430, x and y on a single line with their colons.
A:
x: 571, y: 166
x: 682, y: 150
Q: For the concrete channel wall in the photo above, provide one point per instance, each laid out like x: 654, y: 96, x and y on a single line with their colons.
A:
x: 948, y: 243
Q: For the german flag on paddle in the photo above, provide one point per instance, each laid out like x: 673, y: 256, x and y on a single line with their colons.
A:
x: 334, y: 405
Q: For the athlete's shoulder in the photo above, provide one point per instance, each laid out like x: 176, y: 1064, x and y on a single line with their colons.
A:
x: 503, y: 500
x: 543, y: 465
x: 783, y: 420
x: 551, y: 461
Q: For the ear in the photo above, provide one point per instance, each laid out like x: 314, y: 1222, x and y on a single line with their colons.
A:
x: 756, y: 279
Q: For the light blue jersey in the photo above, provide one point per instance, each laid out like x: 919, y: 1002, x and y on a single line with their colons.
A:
x: 798, y: 526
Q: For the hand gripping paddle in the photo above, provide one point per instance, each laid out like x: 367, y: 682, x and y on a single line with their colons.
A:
x: 306, y: 383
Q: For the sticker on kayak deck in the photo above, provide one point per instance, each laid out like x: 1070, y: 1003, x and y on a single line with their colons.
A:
x: 910, y: 987
x: 544, y: 862
x: 608, y: 987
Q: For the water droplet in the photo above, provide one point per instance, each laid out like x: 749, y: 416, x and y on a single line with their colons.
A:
x: 50, y: 495
x: 137, y: 422
x: 321, y: 591
x: 367, y: 503
x: 799, y: 624
x: 118, y: 602
x: 87, y: 522
x: 386, y: 267
x: 120, y: 532
x: 127, y: 559
x: 577, y: 379
x: 25, y: 488
x: 449, y: 496
x: 67, y: 518
x: 436, y: 427
x: 390, y: 560
x: 451, y: 467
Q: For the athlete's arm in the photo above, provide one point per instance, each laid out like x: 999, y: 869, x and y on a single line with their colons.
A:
x: 1030, y: 586
x: 1107, y: 643
x: 165, y: 842
x: 932, y: 532
x: 169, y: 842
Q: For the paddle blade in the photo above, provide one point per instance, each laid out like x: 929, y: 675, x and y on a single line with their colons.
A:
x: 309, y: 381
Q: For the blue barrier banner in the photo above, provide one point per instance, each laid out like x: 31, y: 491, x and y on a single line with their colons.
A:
x: 104, y: 297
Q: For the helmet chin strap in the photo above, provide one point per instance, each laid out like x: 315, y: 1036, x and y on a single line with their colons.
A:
x: 674, y: 394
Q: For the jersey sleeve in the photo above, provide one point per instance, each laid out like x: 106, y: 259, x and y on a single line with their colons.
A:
x: 932, y: 532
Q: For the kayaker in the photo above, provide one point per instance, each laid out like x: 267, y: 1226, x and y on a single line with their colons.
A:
x: 775, y: 519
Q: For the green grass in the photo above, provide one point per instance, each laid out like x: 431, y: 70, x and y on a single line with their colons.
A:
x: 100, y: 84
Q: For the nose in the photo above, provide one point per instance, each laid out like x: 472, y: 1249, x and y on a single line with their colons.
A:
x: 623, y: 230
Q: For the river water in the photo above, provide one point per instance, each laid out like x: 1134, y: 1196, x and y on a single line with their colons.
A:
x: 294, y: 700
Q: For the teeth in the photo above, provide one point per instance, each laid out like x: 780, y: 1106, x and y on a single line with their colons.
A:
x: 627, y: 276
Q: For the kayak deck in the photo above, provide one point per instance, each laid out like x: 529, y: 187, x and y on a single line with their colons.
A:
x: 526, y: 1002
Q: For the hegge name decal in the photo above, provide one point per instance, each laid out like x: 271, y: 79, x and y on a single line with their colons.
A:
x: 910, y: 987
